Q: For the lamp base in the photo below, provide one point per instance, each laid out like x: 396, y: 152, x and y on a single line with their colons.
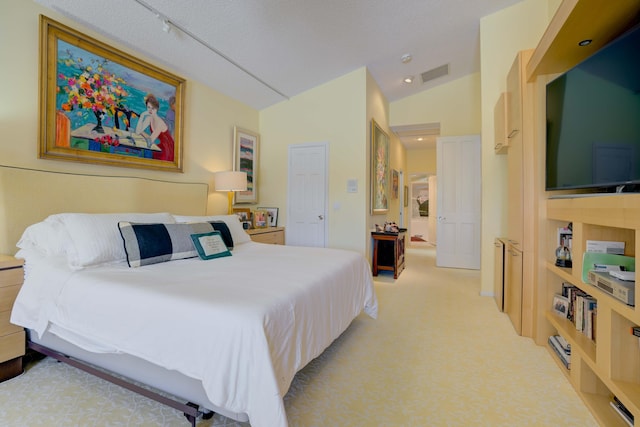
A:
x: 230, y: 197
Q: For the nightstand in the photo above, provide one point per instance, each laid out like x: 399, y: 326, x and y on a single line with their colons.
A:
x: 12, y: 337
x: 273, y: 235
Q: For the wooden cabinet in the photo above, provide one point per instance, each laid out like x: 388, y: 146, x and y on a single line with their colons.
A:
x: 499, y: 272
x: 272, y: 235
x: 500, y: 125
x: 388, y: 252
x: 522, y: 196
x: 612, y: 365
x: 513, y: 303
x: 12, y: 337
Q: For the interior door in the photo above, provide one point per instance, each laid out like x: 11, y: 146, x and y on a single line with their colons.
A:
x: 458, y: 211
x: 307, y: 195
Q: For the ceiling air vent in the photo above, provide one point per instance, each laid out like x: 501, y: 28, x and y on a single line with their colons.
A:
x: 434, y: 73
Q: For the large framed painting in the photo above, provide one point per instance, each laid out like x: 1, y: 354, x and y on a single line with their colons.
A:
x: 245, y: 159
x: 100, y: 105
x: 379, y: 170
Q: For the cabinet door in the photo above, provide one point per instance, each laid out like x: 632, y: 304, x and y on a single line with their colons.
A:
x: 500, y: 125
x: 513, y: 287
x: 498, y: 275
x: 515, y: 189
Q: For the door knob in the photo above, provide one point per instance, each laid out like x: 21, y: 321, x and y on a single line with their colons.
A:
x: 320, y: 217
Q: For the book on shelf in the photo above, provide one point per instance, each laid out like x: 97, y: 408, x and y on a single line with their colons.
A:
x: 562, y: 354
x: 582, y: 309
x: 622, y: 410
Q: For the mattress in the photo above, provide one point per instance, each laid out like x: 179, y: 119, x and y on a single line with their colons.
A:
x: 241, y: 325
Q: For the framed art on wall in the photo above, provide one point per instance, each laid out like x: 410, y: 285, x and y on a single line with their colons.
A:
x: 101, y: 105
x: 379, y: 170
x: 245, y: 159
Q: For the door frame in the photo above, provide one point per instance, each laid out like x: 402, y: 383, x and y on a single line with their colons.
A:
x: 325, y: 146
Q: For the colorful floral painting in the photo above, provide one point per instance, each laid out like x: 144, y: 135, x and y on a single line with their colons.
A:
x: 379, y: 170
x: 100, y: 105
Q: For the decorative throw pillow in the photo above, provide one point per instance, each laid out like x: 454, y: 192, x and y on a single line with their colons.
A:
x: 210, y: 245
x: 147, y: 244
x: 233, y: 222
x: 223, y: 228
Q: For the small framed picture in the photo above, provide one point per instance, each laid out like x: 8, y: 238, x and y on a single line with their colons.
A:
x: 260, y: 219
x: 273, y: 215
x: 560, y: 305
x: 243, y: 213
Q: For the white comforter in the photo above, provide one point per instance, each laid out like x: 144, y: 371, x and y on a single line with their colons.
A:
x: 243, y: 325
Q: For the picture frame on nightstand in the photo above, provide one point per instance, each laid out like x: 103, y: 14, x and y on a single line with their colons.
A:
x: 260, y: 219
x: 273, y: 216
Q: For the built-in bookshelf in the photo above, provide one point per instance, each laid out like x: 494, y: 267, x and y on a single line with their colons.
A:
x: 605, y: 363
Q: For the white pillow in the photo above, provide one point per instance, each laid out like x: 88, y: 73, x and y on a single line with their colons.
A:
x: 233, y: 222
x: 48, y: 238
x: 95, y: 238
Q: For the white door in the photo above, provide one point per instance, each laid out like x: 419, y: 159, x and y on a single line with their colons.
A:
x: 307, y: 195
x: 458, y: 211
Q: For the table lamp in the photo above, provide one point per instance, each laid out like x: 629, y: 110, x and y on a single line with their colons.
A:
x: 230, y: 181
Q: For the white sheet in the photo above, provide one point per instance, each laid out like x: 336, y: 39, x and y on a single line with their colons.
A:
x: 244, y: 324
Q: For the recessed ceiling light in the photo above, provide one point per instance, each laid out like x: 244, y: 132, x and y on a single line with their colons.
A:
x: 406, y: 58
x: 585, y: 42
x: 408, y: 79
x: 420, y: 139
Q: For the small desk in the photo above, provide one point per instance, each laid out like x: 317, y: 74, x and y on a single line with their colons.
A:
x: 388, y: 252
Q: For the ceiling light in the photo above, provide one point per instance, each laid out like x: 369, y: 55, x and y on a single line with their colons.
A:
x: 408, y: 79
x: 406, y: 58
x: 585, y: 42
x: 420, y: 139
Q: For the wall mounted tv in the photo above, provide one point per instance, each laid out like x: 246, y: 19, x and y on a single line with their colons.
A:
x: 593, y: 120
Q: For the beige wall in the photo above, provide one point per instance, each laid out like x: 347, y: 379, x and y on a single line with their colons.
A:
x: 334, y: 113
x: 502, y: 35
x: 208, y: 125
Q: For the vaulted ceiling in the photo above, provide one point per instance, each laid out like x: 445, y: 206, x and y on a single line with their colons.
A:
x: 262, y: 52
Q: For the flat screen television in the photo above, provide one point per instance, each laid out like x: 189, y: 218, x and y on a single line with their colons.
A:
x: 593, y: 120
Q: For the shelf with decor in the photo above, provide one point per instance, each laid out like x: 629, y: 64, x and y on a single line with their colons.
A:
x: 609, y: 364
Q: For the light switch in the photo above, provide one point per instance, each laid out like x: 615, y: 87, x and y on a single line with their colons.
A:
x: 352, y: 186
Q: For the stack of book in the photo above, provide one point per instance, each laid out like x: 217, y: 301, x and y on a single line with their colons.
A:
x: 582, y: 309
x: 562, y: 349
x: 620, y: 409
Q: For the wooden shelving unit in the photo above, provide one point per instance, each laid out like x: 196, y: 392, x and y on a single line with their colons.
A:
x: 611, y: 364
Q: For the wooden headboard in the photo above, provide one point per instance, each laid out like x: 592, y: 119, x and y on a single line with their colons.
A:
x: 28, y: 196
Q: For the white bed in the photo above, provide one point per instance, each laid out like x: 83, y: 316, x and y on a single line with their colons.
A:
x: 227, y: 334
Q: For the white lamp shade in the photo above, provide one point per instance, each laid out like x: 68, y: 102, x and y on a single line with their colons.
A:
x: 230, y: 181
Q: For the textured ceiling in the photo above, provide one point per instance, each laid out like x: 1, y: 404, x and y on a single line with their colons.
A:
x: 262, y: 52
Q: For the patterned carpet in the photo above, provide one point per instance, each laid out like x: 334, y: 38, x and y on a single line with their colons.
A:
x: 438, y: 355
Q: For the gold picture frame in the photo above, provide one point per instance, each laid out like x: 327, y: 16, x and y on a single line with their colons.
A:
x: 260, y: 219
x: 100, y: 105
x: 379, y: 170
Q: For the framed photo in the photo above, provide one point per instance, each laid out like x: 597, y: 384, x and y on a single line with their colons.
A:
x: 273, y: 216
x: 260, y: 219
x: 379, y: 170
x: 243, y: 213
x: 101, y: 105
x: 395, y: 178
x: 560, y: 305
x: 245, y: 159
x: 406, y: 196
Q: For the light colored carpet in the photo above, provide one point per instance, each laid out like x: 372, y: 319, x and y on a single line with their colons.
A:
x: 438, y: 355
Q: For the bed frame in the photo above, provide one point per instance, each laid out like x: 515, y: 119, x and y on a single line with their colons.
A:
x: 29, y: 196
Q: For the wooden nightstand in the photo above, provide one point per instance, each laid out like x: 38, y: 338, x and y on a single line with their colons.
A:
x: 273, y: 235
x: 12, y: 337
